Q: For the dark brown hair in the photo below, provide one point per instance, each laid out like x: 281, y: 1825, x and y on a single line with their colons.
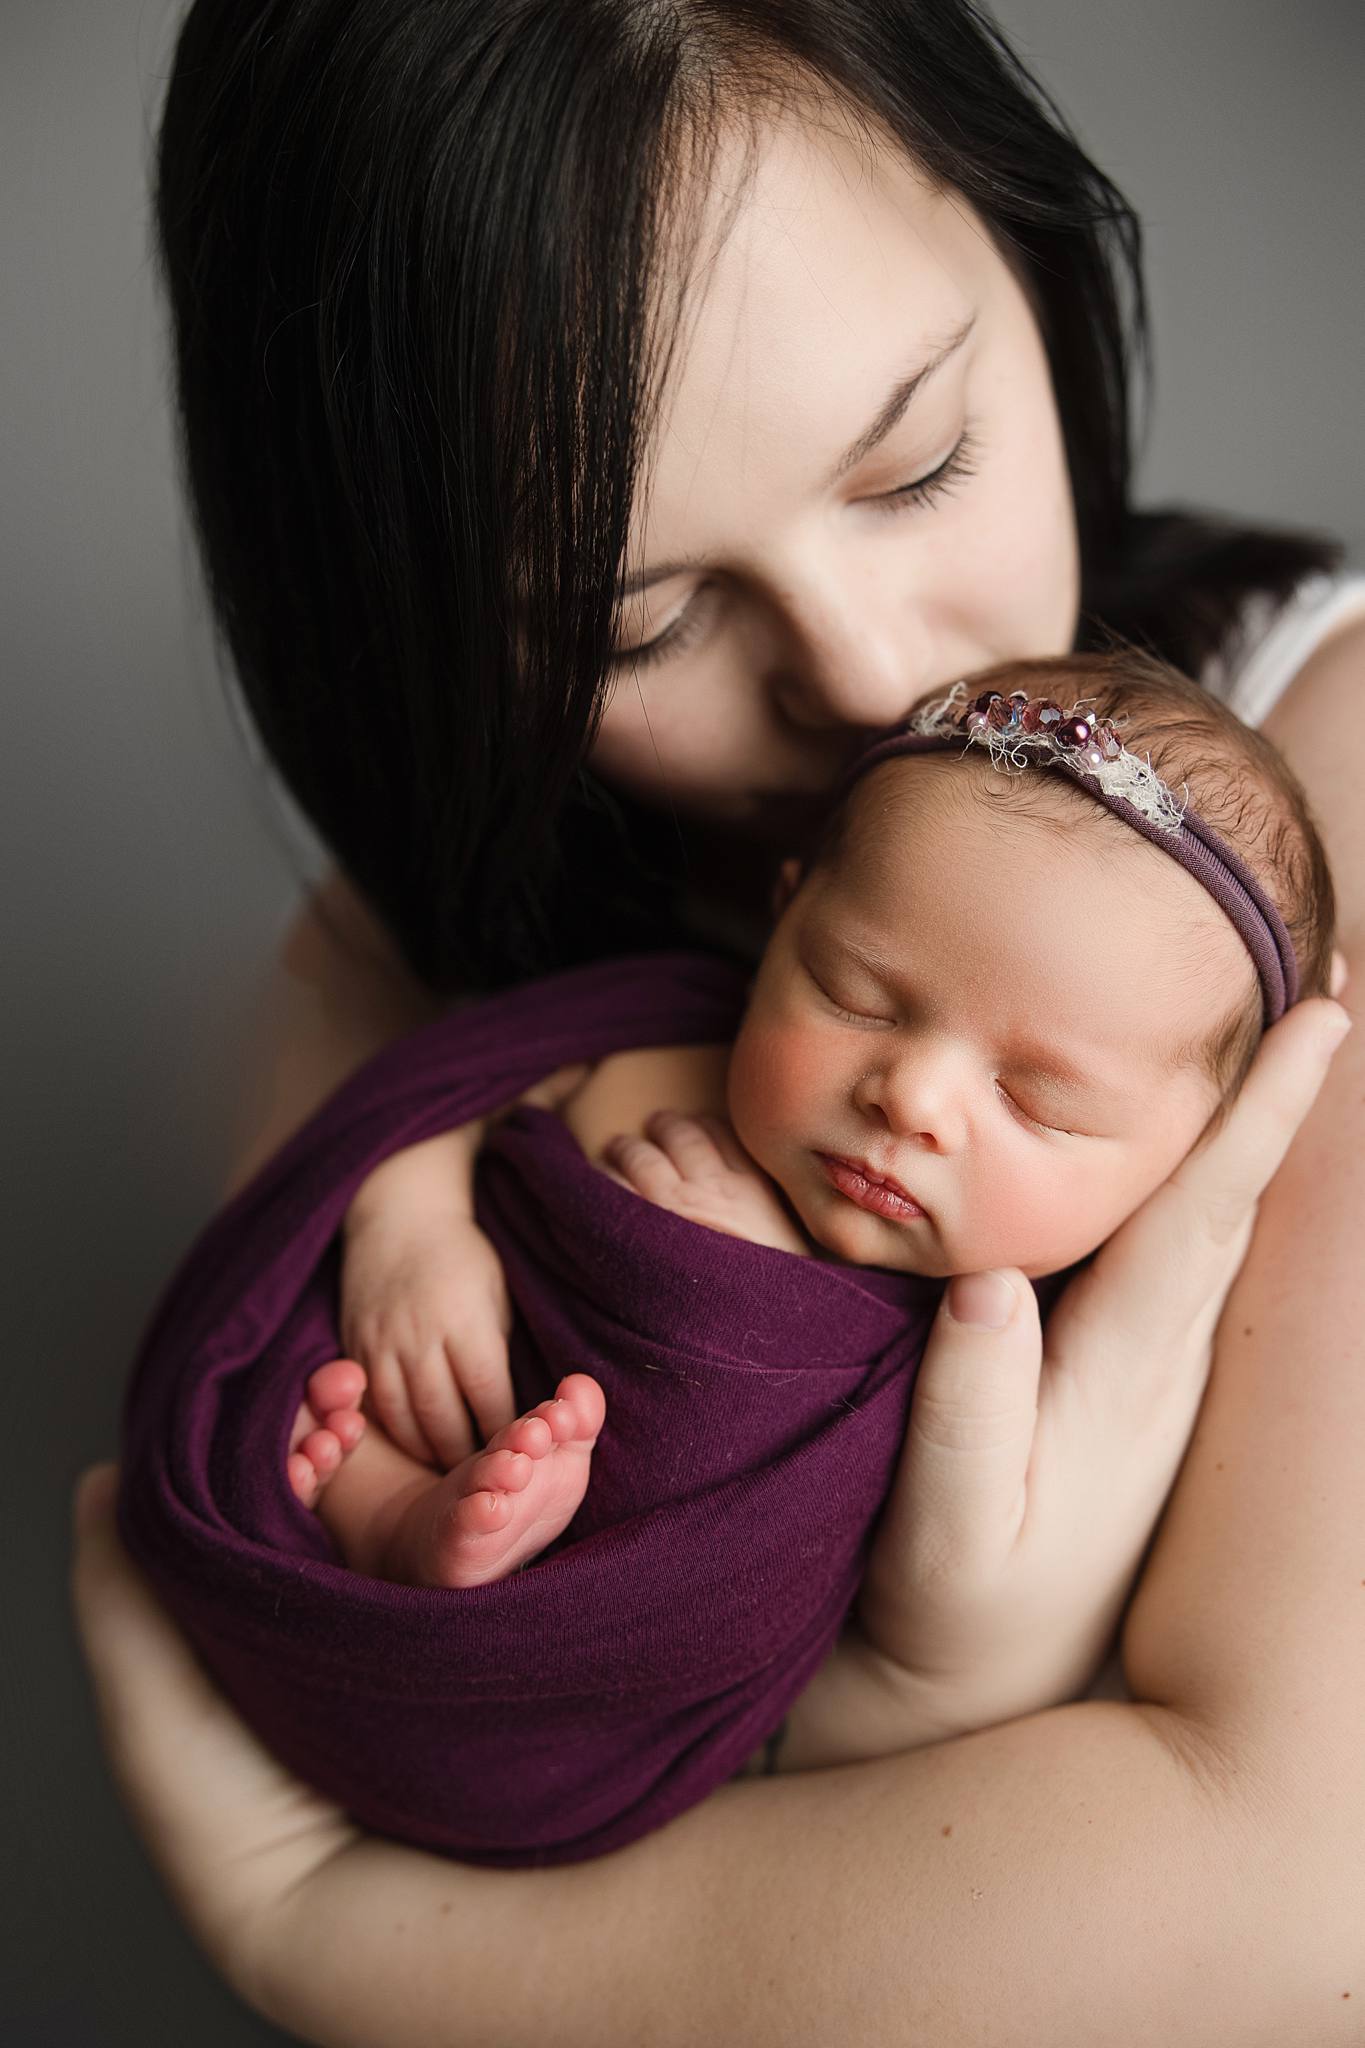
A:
x: 411, y: 255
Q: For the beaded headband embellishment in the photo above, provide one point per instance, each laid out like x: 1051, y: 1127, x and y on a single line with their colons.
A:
x: 1018, y: 731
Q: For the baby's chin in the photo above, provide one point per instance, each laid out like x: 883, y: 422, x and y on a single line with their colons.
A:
x: 856, y: 1239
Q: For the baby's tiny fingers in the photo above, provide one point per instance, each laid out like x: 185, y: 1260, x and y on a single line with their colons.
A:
x: 388, y: 1400
x: 727, y: 1144
x: 480, y: 1370
x: 643, y: 1165
x: 439, y: 1411
x: 688, y: 1143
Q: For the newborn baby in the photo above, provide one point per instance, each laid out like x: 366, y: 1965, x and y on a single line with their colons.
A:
x: 999, y: 1006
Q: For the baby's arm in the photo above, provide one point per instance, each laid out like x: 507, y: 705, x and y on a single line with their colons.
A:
x: 424, y: 1303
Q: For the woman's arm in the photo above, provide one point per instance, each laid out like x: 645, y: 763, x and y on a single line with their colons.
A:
x: 1279, y: 1449
x: 1192, y: 1862
x: 338, y: 991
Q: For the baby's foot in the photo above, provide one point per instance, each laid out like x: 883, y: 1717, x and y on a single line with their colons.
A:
x: 328, y: 1426
x: 500, y: 1508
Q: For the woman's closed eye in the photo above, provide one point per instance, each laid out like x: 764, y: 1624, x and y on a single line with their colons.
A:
x: 682, y: 631
x: 959, y: 463
x: 687, y: 626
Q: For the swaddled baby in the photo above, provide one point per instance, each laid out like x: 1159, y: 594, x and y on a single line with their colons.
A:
x: 1024, y: 970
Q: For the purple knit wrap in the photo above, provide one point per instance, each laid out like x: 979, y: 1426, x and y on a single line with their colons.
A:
x: 756, y: 1404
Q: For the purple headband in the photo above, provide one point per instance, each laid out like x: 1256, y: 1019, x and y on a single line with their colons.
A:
x: 1018, y: 730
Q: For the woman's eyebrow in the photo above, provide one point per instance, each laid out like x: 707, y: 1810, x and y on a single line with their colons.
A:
x: 891, y: 413
x: 895, y: 407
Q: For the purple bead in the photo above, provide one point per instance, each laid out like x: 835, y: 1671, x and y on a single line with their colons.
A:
x: 976, y: 721
x: 1093, y: 756
x: 1073, y: 732
x: 1000, y: 713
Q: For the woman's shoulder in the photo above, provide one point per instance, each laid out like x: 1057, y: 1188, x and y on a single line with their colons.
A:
x: 1276, y: 638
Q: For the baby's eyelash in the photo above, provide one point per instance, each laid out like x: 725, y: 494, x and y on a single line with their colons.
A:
x: 847, y: 1016
x: 955, y: 468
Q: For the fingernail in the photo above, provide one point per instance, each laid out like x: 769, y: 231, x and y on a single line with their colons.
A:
x: 985, y: 1301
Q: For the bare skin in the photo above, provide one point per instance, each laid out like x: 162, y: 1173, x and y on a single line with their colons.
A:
x: 1186, y: 1866
x: 494, y: 1512
x: 1188, y: 1863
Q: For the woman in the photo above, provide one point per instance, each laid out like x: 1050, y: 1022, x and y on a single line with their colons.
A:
x: 863, y: 343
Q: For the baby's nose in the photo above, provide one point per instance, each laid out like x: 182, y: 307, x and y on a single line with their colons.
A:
x: 913, y: 1104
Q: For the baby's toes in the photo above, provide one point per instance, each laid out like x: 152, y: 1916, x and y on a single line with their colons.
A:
x: 482, y: 1512
x: 529, y: 1434
x: 347, y: 1426
x: 302, y: 1475
x: 312, y: 1462
x: 578, y: 1409
x: 339, y: 1385
x: 322, y: 1448
x: 500, y: 1471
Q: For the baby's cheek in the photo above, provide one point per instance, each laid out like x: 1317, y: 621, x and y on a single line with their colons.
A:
x: 774, y: 1086
x: 1040, y: 1220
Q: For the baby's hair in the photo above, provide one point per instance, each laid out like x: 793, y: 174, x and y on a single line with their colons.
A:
x: 1226, y: 772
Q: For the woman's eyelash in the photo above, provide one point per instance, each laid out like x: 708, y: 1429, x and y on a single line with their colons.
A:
x: 686, y: 629
x: 956, y: 467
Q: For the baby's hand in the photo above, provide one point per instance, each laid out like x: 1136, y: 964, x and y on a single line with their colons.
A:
x: 424, y: 1309
x: 697, y: 1167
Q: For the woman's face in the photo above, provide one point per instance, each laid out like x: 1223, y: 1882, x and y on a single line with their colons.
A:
x: 856, y: 489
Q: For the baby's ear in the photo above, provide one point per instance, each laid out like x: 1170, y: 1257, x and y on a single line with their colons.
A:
x: 788, y: 881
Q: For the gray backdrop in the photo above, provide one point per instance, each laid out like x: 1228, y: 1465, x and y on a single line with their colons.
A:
x: 145, y: 882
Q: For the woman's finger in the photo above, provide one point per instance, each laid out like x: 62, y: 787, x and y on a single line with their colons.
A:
x: 958, y: 1498
x: 1166, y: 1271
x: 1226, y: 1177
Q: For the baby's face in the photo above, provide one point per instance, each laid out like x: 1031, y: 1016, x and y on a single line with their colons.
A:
x: 970, y: 1041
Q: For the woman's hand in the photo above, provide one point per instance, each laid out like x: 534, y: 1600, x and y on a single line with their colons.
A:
x: 1034, y: 1472
x: 231, y: 1832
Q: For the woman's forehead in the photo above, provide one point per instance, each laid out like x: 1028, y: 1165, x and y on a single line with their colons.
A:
x: 824, y: 265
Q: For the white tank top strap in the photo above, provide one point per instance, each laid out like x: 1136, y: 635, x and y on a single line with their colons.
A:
x: 1273, y: 641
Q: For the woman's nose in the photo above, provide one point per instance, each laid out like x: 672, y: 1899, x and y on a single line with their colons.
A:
x: 914, y: 1100
x: 847, y: 663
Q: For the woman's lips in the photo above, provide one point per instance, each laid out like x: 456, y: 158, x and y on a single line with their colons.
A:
x: 868, y: 1190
